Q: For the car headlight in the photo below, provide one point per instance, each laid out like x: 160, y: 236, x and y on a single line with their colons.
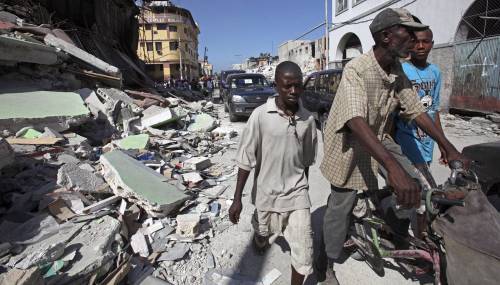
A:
x: 238, y: 99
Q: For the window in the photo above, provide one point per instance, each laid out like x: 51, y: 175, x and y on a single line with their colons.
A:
x: 186, y: 45
x: 141, y: 45
x: 173, y: 45
x: 341, y: 6
x: 356, y: 2
x: 149, y: 46
x: 148, y: 26
x: 172, y: 28
x: 161, y: 27
x: 322, y: 84
x: 249, y: 81
x: 185, y: 30
x: 333, y: 83
x: 310, y: 84
x: 158, y: 47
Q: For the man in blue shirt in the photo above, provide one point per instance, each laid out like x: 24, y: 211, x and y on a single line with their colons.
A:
x: 426, y: 79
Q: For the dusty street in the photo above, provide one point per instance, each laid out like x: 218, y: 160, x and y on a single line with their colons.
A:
x: 235, y: 256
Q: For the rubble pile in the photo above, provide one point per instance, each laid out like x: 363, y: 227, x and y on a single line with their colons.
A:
x: 102, y: 180
x: 472, y: 126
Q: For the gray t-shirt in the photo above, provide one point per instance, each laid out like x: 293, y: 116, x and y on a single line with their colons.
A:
x: 279, y: 149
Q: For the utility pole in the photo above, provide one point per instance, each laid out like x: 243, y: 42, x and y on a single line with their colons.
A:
x: 326, y: 34
x: 205, y: 58
x: 180, y: 57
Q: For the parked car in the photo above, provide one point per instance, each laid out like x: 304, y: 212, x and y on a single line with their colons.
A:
x: 319, y: 91
x: 223, y: 76
x: 244, y: 93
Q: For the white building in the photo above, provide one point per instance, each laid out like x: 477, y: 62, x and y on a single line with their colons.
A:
x: 302, y: 52
x: 452, y: 22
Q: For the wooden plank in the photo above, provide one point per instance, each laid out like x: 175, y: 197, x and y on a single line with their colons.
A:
x: 37, y: 141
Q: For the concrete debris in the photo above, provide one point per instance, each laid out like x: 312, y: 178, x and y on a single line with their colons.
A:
x: 19, y: 50
x: 31, y: 276
x: 134, y: 142
x: 139, y: 244
x: 131, y: 179
x: 50, y: 133
x: 156, y: 116
x: 188, y: 225
x: 178, y: 251
x: 81, y: 54
x: 73, y: 177
x: 271, y: 277
x: 192, y: 177
x: 197, y: 163
x: 203, y: 123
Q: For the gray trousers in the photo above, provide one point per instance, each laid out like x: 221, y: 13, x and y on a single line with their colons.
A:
x: 341, y: 201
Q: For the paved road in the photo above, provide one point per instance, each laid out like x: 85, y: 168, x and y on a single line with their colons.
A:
x: 236, y: 239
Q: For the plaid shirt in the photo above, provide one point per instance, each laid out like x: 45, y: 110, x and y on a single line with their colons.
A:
x: 365, y: 91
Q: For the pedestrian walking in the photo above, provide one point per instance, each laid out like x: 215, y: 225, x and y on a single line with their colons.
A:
x: 279, y: 142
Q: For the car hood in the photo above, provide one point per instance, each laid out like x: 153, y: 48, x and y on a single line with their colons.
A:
x: 253, y: 91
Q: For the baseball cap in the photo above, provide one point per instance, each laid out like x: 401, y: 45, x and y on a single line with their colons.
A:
x: 395, y: 16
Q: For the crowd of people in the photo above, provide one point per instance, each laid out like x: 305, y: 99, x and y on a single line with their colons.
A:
x: 384, y: 119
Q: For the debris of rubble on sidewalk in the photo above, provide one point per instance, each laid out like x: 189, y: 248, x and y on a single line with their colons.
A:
x: 132, y: 180
x: 56, y: 110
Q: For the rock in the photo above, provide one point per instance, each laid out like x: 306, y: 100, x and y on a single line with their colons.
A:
x: 73, y: 177
x: 178, y: 251
x: 6, y: 153
x: 67, y: 159
x: 196, y: 163
x: 202, y: 123
x: 31, y: 276
x: 188, y: 225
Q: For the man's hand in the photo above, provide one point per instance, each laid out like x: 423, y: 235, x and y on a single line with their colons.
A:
x: 406, y: 188
x: 443, y: 160
x: 455, y: 155
x: 235, y: 211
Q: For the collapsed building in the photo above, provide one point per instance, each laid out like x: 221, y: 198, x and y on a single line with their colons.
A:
x: 103, y: 178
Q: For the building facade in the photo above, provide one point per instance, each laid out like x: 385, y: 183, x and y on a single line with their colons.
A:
x: 302, y: 52
x: 454, y: 24
x: 168, y: 41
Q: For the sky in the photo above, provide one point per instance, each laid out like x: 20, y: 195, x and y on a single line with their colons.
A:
x: 233, y: 30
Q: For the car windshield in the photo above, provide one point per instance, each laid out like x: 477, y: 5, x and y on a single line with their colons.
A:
x: 246, y: 82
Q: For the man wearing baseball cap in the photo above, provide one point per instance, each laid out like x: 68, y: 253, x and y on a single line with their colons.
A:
x: 356, y: 144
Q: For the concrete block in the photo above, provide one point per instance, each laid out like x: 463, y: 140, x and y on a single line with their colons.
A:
x: 73, y: 177
x: 156, y: 116
x: 188, y: 225
x: 81, y: 54
x: 203, y: 123
x: 50, y: 133
x: 192, y: 177
x: 196, y: 163
x: 130, y: 179
x: 6, y: 153
x: 178, y: 251
x: 134, y: 142
x: 56, y: 110
x: 139, y: 244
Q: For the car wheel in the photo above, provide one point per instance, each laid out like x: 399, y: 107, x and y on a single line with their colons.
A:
x: 232, y: 117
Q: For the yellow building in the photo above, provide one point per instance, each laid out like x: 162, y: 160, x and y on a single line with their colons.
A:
x: 168, y: 41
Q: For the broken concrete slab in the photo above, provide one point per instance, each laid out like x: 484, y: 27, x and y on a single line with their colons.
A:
x: 188, y: 225
x: 19, y: 50
x: 134, y: 142
x: 178, y: 251
x: 130, y: 179
x: 73, y: 177
x: 156, y: 116
x: 192, y: 177
x: 46, y: 249
x: 139, y: 244
x: 197, y: 163
x: 94, y: 249
x: 64, y: 158
x: 203, y: 123
x: 6, y: 153
x: 101, y: 204
x: 271, y: 277
x: 28, y: 133
x: 40, y: 109
x: 81, y: 54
